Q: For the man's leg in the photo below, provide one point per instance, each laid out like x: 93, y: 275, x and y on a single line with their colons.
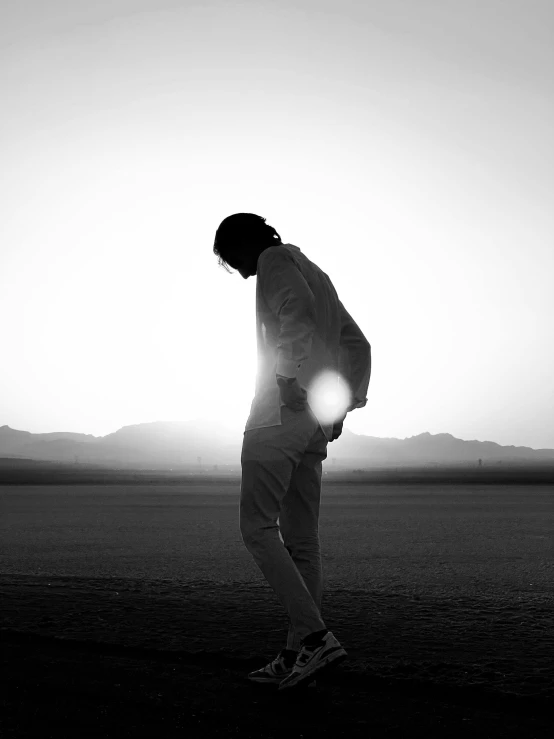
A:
x: 299, y: 523
x: 269, y: 457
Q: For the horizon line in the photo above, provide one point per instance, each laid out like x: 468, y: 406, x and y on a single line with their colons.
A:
x: 398, y: 438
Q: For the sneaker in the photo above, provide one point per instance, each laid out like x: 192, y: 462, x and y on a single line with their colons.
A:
x: 275, y: 671
x: 313, y: 659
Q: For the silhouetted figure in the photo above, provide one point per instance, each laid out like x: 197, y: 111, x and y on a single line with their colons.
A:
x: 303, y: 330
x: 480, y: 463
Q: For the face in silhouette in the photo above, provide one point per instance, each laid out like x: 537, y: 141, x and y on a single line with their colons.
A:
x: 245, y: 259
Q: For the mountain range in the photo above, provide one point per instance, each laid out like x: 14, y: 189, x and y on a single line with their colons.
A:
x: 172, y: 444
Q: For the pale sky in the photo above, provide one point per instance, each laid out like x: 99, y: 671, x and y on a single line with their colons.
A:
x: 405, y: 146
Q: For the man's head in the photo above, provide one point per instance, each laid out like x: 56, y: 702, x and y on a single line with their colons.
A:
x: 240, y: 239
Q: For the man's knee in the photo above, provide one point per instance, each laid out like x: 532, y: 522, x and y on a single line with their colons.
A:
x: 251, y: 533
x: 246, y: 532
x: 257, y: 534
x: 296, y: 545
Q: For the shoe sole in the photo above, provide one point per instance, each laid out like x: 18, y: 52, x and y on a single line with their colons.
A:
x: 322, y: 669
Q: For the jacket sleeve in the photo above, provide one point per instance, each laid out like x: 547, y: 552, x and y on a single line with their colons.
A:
x: 291, y: 300
x: 354, y: 359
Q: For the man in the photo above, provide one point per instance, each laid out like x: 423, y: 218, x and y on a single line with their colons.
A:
x: 304, y: 335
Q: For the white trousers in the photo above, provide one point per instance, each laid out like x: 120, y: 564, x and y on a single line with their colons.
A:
x: 279, y: 514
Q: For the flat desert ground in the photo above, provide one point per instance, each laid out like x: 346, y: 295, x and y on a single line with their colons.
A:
x: 136, y: 610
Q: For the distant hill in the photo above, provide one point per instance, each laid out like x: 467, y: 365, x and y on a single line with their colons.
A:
x: 165, y: 445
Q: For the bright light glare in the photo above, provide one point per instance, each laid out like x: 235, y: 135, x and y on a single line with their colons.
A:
x: 329, y: 397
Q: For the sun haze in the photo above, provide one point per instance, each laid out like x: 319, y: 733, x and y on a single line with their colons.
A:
x: 406, y: 148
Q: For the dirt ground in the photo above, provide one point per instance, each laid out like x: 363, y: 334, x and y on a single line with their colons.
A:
x: 108, y: 657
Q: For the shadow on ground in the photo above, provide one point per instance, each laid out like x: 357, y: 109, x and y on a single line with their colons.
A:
x: 126, y: 658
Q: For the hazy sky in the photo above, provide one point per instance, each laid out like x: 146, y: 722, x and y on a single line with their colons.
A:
x: 405, y: 146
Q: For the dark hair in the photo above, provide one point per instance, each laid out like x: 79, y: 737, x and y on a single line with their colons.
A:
x: 246, y: 226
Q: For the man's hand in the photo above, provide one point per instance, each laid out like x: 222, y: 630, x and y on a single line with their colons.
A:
x: 337, y: 430
x: 293, y: 394
x: 337, y: 426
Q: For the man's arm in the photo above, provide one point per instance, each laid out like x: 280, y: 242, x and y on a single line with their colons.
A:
x: 354, y: 359
x: 290, y: 298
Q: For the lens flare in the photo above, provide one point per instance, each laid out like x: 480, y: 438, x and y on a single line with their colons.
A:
x: 329, y: 397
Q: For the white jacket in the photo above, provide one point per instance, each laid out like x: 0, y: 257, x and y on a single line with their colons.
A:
x: 302, y: 329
